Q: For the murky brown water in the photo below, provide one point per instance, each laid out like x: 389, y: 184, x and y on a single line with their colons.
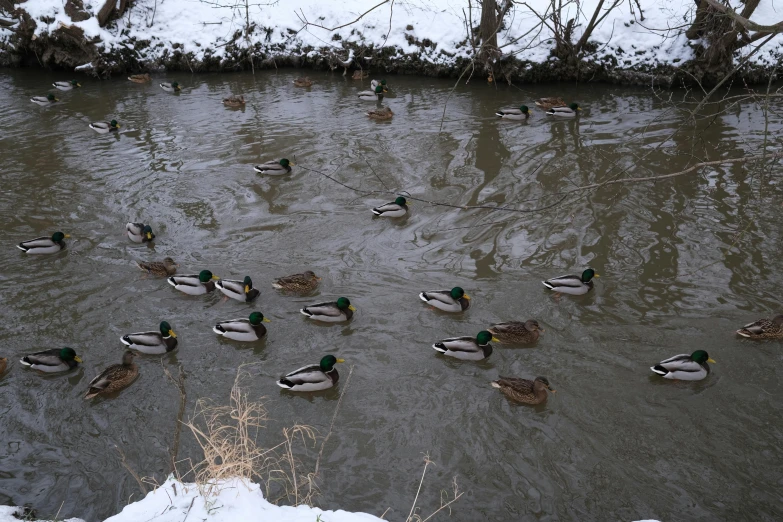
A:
x: 614, y: 443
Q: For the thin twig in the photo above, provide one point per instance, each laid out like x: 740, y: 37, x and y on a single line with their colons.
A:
x: 331, y: 425
x: 128, y: 468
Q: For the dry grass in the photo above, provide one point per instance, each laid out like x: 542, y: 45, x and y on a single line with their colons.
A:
x: 446, y: 498
x: 229, y: 437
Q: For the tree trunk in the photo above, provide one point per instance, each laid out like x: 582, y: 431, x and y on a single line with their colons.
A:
x: 488, y: 29
x: 721, y: 33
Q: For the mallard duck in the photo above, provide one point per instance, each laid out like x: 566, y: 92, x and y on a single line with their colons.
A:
x: 239, y: 290
x: 516, y: 332
x: 52, y: 361
x: 196, y: 284
x: 522, y: 113
x: 139, y: 232
x: 114, y: 378
x: 234, y: 101
x: 564, y: 112
x: 152, y: 343
x: 383, y: 113
x: 66, y: 86
x: 275, y: 168
x: 374, y: 95
x: 685, y: 367
x: 247, y: 330
x: 335, y: 312
x: 3, y: 365
x: 524, y: 390
x: 763, y: 329
x: 548, y: 103
x: 170, y: 87
x: 454, y: 300
x: 105, y: 127
x: 305, y: 282
x: 397, y: 208
x: 140, y: 78
x: 376, y: 83
x: 572, y: 284
x: 165, y: 268
x: 44, y: 100
x: 361, y: 75
x: 303, y: 82
x: 467, y: 348
x: 44, y: 245
x: 315, y: 377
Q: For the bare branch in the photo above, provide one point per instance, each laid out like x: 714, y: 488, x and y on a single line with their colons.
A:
x: 744, y: 22
x: 303, y: 18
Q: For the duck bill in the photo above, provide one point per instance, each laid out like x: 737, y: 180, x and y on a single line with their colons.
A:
x: 495, y: 340
x: 247, y: 289
x: 466, y: 296
x: 77, y: 359
x: 596, y: 275
x: 711, y: 360
x: 265, y: 320
x: 67, y: 235
x: 352, y: 308
x: 340, y: 360
x: 551, y: 390
x: 172, y: 334
x: 149, y: 236
x: 215, y: 277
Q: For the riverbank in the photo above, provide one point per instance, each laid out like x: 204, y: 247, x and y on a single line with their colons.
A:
x: 630, y: 45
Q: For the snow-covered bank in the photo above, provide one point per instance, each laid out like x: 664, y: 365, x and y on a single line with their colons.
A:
x: 234, y: 501
x: 407, y: 36
x: 15, y: 514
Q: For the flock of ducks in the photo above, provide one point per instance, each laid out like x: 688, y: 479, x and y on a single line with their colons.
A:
x: 324, y: 375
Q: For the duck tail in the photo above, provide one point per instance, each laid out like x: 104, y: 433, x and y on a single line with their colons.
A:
x: 495, y: 384
x: 21, y: 246
x: 423, y: 297
x: 172, y: 281
x: 25, y: 361
x: 743, y: 332
x: 548, y: 285
x: 125, y: 339
x: 218, y: 329
x: 285, y: 383
x: 660, y: 370
x: 305, y: 311
x: 439, y: 347
x: 377, y: 212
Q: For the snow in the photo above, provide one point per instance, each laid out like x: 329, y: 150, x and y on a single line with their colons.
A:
x: 235, y: 501
x: 652, y: 36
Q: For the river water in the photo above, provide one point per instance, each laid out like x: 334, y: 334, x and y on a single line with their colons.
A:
x: 683, y: 263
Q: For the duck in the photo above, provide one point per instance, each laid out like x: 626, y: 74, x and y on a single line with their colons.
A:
x: 467, y: 348
x: 234, y: 101
x: 303, y: 82
x: 152, y: 343
x: 304, y: 282
x: 397, y: 208
x: 66, y: 86
x: 454, y: 300
x: 52, y: 361
x: 167, y: 267
x: 3, y: 365
x: 522, y: 113
x: 140, y: 78
x: 361, y: 75
x: 334, y: 312
x: 376, y: 83
x: 105, y: 127
x: 139, y: 232
x: 516, y: 332
x: 384, y: 113
x: 685, y: 367
x: 239, y: 290
x: 548, y: 103
x: 44, y: 245
x: 170, y: 87
x: 763, y: 329
x: 44, y: 100
x: 247, y: 330
x: 374, y: 95
x: 114, y: 378
x: 275, y: 168
x: 315, y: 377
x: 572, y: 284
x: 564, y: 112
x: 196, y: 284
x: 524, y: 390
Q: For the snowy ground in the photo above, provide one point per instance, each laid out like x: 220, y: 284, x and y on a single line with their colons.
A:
x: 627, y: 35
